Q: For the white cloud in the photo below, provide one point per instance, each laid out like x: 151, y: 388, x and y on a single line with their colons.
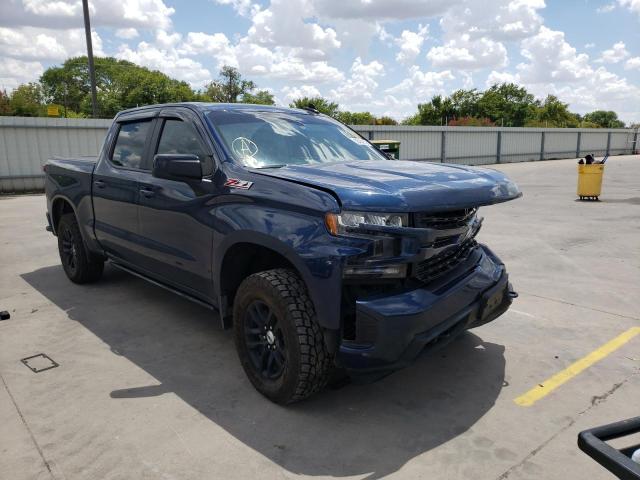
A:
x: 501, y: 77
x: 292, y: 93
x: 552, y: 59
x: 474, y: 32
x: 467, y: 54
x: 589, y: 45
x: 359, y: 90
x: 167, y: 61
x: 382, y: 9
x: 31, y: 43
x: 633, y: 5
x: 410, y: 44
x: 242, y: 7
x: 632, y: 64
x: 615, y: 54
x: 609, y: 7
x: 63, y: 14
x: 555, y: 67
x: 126, y: 33
x: 422, y: 85
x: 14, y: 72
x: 498, y: 20
x: 283, y: 24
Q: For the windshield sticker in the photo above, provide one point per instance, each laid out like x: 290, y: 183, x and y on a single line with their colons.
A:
x: 244, y: 148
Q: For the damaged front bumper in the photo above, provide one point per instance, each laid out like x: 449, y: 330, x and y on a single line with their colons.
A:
x: 393, y: 330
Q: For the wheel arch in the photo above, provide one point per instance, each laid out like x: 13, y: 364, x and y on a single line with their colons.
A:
x: 244, y: 246
x: 59, y: 206
x: 241, y: 257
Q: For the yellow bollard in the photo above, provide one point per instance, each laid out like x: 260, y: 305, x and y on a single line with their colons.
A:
x: 590, y: 181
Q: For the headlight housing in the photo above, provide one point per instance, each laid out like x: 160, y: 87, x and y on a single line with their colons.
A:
x: 347, y: 222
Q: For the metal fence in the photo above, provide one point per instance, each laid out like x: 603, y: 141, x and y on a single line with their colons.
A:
x: 486, y: 145
x: 26, y: 143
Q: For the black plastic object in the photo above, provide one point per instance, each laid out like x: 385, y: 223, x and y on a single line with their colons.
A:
x: 4, y: 315
x: 589, y: 159
x: 618, y: 462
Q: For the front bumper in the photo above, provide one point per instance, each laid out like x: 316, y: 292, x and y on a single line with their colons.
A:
x: 400, y: 327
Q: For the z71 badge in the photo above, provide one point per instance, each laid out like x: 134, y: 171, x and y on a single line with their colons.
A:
x: 235, y: 183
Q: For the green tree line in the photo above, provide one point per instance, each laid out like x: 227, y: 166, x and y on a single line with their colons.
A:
x: 509, y: 105
x: 122, y: 84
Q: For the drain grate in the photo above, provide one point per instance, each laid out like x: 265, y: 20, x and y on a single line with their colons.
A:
x: 39, y: 363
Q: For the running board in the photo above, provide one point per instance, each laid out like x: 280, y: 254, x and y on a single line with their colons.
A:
x: 166, y: 287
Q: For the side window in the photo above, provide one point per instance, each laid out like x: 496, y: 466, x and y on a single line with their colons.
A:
x: 130, y: 144
x: 181, y: 137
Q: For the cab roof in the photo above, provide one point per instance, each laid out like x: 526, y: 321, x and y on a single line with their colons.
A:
x: 205, y: 107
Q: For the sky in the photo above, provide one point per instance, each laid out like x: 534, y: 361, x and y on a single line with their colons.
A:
x: 382, y: 56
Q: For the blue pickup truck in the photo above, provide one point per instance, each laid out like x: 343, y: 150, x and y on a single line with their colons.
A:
x: 319, y: 251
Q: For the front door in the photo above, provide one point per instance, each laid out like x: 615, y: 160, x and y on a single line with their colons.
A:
x: 175, y: 219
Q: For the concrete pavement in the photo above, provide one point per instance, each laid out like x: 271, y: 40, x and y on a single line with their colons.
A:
x: 149, y: 387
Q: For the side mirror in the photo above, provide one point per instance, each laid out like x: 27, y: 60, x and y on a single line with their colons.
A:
x: 175, y: 166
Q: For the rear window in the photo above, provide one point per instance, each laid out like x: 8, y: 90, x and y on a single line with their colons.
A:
x: 130, y: 144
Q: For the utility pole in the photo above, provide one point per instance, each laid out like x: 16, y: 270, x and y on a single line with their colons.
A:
x: 92, y: 71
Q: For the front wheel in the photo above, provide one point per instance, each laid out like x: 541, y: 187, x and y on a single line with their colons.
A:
x: 79, y: 265
x: 279, y: 342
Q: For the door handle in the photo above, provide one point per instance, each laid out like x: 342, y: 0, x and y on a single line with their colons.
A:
x: 147, y: 192
x: 99, y: 184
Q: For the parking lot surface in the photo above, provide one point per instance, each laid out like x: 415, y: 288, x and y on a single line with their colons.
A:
x: 149, y: 387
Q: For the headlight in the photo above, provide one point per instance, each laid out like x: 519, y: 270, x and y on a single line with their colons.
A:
x: 346, y: 222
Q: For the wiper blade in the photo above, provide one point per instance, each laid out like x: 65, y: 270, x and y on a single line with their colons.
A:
x: 276, y: 165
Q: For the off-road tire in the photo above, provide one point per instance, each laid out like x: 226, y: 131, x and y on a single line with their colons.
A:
x: 85, y: 267
x: 307, y: 362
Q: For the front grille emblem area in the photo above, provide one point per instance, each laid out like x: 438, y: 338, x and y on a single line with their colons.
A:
x: 454, y: 244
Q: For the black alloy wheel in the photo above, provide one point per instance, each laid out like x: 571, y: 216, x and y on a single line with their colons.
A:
x: 265, y: 340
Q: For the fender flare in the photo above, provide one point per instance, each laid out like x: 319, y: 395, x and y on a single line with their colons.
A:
x: 324, y: 309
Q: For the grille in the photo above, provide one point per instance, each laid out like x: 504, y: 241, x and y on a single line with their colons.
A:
x: 433, y: 267
x: 444, y: 220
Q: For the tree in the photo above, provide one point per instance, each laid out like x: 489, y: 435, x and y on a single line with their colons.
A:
x: 604, y: 119
x: 465, y: 103
x: 5, y: 104
x: 27, y: 100
x: 471, y: 122
x: 507, y: 104
x: 260, y: 97
x: 436, y: 112
x: 229, y: 86
x: 384, y: 120
x: 321, y: 104
x: 553, y: 113
x: 356, y: 118
x: 120, y: 85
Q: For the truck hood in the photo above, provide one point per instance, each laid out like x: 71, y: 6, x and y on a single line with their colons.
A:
x: 403, y: 186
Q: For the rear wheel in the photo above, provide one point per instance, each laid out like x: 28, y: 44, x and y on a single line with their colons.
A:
x: 79, y: 265
x: 279, y: 343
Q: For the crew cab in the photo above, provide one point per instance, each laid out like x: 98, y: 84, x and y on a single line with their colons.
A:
x: 318, y: 250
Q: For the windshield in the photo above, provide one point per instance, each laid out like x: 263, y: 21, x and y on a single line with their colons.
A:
x: 273, y: 139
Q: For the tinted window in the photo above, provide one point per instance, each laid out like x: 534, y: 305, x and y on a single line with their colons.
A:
x: 130, y: 144
x: 181, y: 137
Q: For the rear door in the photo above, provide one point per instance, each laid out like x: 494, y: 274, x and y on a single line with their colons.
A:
x: 116, y: 185
x: 175, y: 219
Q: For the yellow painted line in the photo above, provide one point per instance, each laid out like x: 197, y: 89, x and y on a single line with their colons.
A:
x: 549, y: 385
